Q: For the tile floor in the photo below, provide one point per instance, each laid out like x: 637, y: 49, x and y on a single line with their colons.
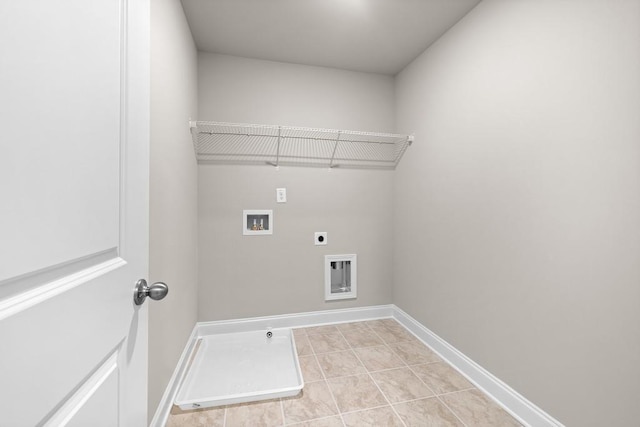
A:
x: 372, y: 373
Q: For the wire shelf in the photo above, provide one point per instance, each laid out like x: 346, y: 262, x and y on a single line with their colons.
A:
x: 238, y: 143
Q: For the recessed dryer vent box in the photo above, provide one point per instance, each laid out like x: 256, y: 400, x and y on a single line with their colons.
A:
x: 257, y: 222
x: 340, y: 276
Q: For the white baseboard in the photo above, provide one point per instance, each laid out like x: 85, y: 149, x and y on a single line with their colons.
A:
x: 164, y: 407
x: 295, y: 320
x: 518, y: 406
x: 514, y: 403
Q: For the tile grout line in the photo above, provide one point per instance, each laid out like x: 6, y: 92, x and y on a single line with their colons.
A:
x: 284, y: 420
x: 312, y: 419
x: 315, y: 357
x: 409, y: 366
x: 355, y: 411
x: 406, y: 365
x: 451, y: 366
x: 437, y: 396
x: 384, y: 342
x: 457, y: 391
x: 371, y: 378
x: 326, y: 383
x: 451, y: 410
x: 324, y: 379
x: 300, y: 330
x: 426, y: 385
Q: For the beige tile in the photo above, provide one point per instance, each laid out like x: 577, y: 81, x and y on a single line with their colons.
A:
x: 355, y: 393
x: 353, y: 327
x: 325, y: 343
x: 322, y: 422
x: 383, y: 323
x: 475, y: 409
x: 207, y: 417
x: 255, y: 414
x: 175, y: 410
x: 426, y: 413
x: 299, y: 332
x: 389, y: 325
x: 441, y: 378
x: 310, y: 369
x: 414, y: 352
x: 393, y: 333
x: 378, y: 358
x: 325, y: 329
x: 303, y: 346
x: 313, y: 402
x: 340, y: 364
x: 362, y: 338
x: 377, y: 417
x: 399, y: 385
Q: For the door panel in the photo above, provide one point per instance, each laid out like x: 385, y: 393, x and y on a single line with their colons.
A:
x: 74, y: 216
x: 56, y: 346
x: 93, y: 404
x: 61, y: 114
x: 100, y: 409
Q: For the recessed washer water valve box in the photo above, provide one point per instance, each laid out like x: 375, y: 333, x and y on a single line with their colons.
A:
x: 257, y: 222
x: 320, y: 238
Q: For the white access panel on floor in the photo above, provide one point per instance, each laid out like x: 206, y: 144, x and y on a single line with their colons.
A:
x: 241, y: 367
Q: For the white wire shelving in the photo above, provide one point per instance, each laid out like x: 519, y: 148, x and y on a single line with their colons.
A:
x: 240, y: 143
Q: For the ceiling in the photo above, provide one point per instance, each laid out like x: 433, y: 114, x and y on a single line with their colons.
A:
x: 377, y: 36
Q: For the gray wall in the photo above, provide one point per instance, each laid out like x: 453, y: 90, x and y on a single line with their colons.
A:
x: 173, y: 192
x: 517, y: 231
x: 283, y: 273
x: 234, y: 89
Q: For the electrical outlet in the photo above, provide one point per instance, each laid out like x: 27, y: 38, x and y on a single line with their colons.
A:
x: 320, y: 238
x: 281, y: 195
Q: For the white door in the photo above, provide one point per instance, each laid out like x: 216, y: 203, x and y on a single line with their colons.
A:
x: 73, y: 211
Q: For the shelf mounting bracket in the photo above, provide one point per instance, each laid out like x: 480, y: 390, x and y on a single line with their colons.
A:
x: 335, y: 148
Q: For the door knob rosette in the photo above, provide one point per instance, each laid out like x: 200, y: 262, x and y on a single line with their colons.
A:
x: 157, y: 291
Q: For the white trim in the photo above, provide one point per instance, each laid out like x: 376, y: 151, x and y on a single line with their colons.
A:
x: 295, y: 320
x: 514, y: 403
x: 352, y: 259
x: 247, y: 231
x: 25, y: 300
x: 65, y: 414
x: 164, y: 407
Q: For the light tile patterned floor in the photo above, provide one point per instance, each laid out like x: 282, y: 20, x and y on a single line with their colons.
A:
x: 372, y: 373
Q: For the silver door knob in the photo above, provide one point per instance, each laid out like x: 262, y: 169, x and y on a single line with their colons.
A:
x: 157, y: 291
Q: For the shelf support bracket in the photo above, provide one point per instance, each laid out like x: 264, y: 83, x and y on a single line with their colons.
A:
x: 335, y: 147
x: 278, y: 147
